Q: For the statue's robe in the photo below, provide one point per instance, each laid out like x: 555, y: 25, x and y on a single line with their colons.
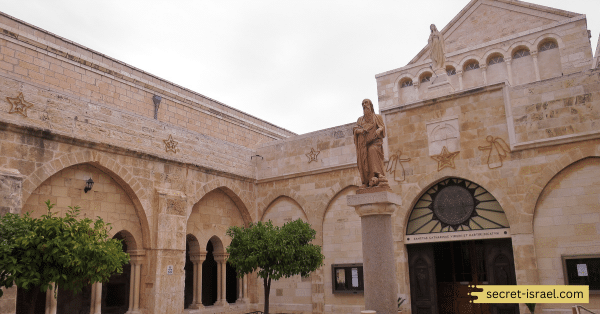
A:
x: 369, y: 148
x: 437, y: 50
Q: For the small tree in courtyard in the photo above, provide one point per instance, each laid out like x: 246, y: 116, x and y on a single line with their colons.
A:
x: 274, y: 251
x: 67, y: 251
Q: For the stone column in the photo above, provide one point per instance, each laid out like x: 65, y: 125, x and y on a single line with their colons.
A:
x: 379, y: 263
x: 131, y: 286
x: 536, y: 67
x: 245, y: 288
x: 240, y: 290
x: 134, y: 283
x: 460, y: 80
x: 508, y: 62
x: 96, y: 304
x: 484, y: 71
x: 221, y: 280
x: 416, y: 86
x: 51, y: 301
x: 136, y: 289
x: 197, y: 259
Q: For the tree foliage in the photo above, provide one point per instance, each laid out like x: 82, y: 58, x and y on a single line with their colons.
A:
x: 68, y: 251
x: 274, y: 252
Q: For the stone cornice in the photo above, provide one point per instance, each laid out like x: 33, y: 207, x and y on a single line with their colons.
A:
x: 288, y: 176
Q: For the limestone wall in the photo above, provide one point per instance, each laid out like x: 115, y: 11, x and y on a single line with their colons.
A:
x: 330, y: 149
x: 288, y: 295
x: 567, y: 222
x: 37, y: 56
x: 561, y: 109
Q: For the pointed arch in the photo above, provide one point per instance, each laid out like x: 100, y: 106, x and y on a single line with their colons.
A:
x: 275, y: 194
x: 105, y: 163
x: 284, y: 197
x: 241, y: 198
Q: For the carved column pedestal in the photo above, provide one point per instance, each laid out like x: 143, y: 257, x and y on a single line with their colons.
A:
x: 379, y: 267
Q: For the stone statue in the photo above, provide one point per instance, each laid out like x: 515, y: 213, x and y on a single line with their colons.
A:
x: 368, y: 138
x: 437, y: 50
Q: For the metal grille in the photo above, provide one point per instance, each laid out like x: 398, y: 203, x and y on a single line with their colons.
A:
x: 456, y: 205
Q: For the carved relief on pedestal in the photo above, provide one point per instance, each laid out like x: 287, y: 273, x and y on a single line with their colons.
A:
x: 443, y: 133
x: 19, y: 105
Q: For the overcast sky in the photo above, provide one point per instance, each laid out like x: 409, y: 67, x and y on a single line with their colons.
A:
x: 302, y: 65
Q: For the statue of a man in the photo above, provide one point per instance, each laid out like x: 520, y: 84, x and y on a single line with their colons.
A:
x: 437, y: 50
x: 368, y: 138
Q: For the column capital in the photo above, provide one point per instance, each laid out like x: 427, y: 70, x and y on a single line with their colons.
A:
x: 198, y: 257
x: 221, y: 257
x: 483, y: 66
x: 508, y: 60
x: 534, y: 53
x: 459, y: 72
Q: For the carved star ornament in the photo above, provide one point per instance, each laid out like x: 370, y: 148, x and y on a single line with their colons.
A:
x: 19, y: 104
x: 445, y: 158
x: 312, y: 156
x: 170, y: 144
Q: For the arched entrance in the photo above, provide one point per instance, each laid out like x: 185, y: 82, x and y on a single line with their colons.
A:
x: 457, y: 235
x: 115, y: 293
x: 209, y: 277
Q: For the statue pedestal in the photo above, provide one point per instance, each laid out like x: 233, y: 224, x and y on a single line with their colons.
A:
x: 440, y: 85
x: 379, y: 266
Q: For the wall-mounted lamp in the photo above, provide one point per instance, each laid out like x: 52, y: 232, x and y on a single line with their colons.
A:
x: 156, y: 99
x: 88, y: 185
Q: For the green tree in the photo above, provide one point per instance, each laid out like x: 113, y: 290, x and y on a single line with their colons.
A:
x: 274, y: 251
x: 68, y: 251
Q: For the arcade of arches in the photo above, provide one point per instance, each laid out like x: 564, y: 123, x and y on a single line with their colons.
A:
x: 497, y: 163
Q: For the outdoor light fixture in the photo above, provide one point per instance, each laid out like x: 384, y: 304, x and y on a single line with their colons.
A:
x: 156, y: 99
x: 88, y: 185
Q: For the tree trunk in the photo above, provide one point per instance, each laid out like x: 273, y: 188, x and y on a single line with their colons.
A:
x: 267, y: 284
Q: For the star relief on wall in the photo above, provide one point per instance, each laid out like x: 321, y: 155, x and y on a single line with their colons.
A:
x: 19, y: 104
x: 171, y: 145
x: 312, y: 156
x: 445, y: 158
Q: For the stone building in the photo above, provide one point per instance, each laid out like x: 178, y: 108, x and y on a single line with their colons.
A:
x: 495, y: 159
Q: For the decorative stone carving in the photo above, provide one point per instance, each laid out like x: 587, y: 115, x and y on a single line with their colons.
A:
x: 19, y: 105
x: 368, y: 139
x: 395, y: 160
x: 445, y: 159
x: 498, y: 150
x: 443, y: 133
x: 437, y: 50
x: 312, y: 155
x: 171, y: 145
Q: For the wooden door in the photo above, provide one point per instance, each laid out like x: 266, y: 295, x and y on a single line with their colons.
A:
x: 422, y: 279
x: 501, y: 271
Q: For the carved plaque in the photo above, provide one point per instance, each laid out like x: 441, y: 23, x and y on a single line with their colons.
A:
x: 442, y: 133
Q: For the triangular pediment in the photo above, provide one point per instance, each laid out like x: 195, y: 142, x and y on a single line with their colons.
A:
x: 486, y: 20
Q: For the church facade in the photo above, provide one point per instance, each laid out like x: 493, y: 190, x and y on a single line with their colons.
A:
x: 495, y: 156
